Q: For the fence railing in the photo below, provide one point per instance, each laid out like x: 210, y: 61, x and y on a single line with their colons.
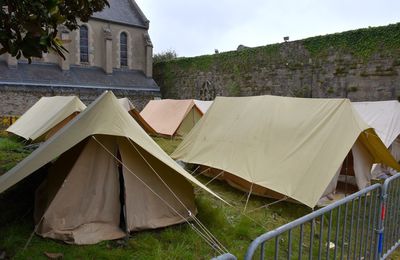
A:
x: 390, y: 224
x: 363, y: 225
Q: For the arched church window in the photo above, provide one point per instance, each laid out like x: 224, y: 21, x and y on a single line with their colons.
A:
x: 84, y: 43
x: 123, y: 44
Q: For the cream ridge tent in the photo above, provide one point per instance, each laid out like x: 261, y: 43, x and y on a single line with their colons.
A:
x: 384, y: 117
x: 171, y: 117
x: 105, y: 167
x: 283, y: 147
x: 46, y: 117
x: 127, y: 104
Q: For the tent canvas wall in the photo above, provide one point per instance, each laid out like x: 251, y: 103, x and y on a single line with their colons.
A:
x: 100, y: 154
x: 128, y: 106
x: 291, y: 146
x: 171, y: 117
x: 384, y: 117
x: 46, y: 117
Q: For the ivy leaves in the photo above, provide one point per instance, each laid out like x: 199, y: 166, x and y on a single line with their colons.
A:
x: 30, y: 27
x: 362, y: 43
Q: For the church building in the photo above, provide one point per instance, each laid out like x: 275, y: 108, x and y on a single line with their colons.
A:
x: 112, y: 51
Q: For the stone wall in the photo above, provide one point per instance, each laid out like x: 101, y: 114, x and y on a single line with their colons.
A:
x: 15, y: 100
x: 362, y: 65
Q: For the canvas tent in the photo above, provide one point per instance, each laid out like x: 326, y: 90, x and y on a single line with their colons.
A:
x: 283, y: 146
x: 203, y: 105
x: 171, y: 117
x: 384, y: 117
x: 106, y: 166
x: 46, y: 117
x: 128, y: 106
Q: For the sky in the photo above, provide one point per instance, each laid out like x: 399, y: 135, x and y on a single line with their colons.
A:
x: 198, y: 27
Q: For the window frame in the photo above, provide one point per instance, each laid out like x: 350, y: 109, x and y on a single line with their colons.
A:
x: 123, y: 50
x: 84, y: 48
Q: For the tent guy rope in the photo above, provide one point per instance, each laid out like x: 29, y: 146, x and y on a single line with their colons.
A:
x: 248, y: 197
x: 269, y: 204
x: 219, y: 174
x: 203, y: 171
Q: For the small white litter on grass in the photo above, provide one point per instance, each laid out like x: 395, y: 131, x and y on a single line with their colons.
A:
x: 331, y: 245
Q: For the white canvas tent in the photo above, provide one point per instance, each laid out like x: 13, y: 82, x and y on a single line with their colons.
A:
x: 128, y: 106
x: 106, y: 166
x: 46, y: 117
x: 291, y: 147
x: 203, y: 105
x: 171, y: 117
x: 384, y: 117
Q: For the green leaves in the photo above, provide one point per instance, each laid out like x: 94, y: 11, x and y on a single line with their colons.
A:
x: 362, y: 43
x: 29, y: 27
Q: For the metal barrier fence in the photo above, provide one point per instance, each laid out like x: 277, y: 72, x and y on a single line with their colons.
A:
x: 364, y: 225
x: 390, y: 224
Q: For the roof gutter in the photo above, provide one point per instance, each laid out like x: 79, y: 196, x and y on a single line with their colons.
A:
x: 14, y: 83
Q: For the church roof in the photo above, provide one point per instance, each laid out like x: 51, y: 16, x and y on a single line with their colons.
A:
x: 123, y: 11
x: 47, y: 74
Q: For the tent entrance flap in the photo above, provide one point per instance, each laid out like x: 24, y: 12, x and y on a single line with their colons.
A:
x: 122, y: 196
x: 353, y: 175
x: 146, y: 210
x: 356, y: 169
x: 346, y: 183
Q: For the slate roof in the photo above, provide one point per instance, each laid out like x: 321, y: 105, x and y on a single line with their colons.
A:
x: 125, y: 12
x: 46, y: 74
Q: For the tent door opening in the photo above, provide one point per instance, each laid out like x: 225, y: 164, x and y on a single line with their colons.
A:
x: 347, y: 183
x: 122, y: 197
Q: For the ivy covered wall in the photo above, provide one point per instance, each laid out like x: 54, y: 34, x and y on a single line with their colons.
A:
x: 362, y: 64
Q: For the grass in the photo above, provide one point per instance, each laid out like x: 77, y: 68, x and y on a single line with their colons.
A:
x: 11, y: 151
x: 176, y: 242
x: 232, y: 228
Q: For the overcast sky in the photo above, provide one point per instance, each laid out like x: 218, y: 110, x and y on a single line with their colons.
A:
x: 197, y: 27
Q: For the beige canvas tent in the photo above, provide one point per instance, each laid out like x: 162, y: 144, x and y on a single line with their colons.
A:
x: 291, y: 147
x: 46, y: 117
x: 171, y: 117
x: 106, y: 166
x: 384, y: 117
x: 128, y: 106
